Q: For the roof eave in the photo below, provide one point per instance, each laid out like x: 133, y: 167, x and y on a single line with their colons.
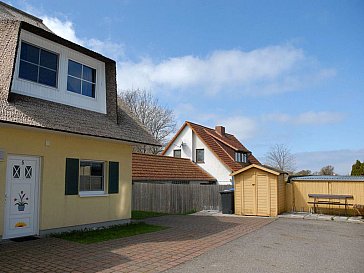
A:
x: 78, y: 133
x: 57, y: 39
x: 255, y: 166
x: 171, y: 179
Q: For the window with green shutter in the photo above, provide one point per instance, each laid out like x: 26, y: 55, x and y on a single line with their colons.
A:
x: 87, y: 177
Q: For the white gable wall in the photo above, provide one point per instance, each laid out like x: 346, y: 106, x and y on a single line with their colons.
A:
x: 212, y: 164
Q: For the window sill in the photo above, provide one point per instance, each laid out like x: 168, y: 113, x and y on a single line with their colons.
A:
x: 200, y: 162
x: 93, y: 194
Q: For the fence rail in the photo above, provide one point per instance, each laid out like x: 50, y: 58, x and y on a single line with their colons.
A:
x: 171, y: 198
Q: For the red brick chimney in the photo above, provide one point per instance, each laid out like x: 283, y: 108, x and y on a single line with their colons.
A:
x: 220, y: 130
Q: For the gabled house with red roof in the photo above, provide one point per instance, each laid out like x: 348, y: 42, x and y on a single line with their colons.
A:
x: 214, y: 150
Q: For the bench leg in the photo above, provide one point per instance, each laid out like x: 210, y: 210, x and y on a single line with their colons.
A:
x: 314, y: 206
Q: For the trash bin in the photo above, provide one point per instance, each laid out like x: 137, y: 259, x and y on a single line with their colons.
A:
x: 227, y: 201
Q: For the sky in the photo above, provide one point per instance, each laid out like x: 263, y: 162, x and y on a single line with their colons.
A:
x: 271, y: 72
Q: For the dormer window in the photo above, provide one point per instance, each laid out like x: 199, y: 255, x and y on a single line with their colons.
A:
x: 38, y: 65
x: 51, y: 71
x: 240, y: 157
x: 81, y: 79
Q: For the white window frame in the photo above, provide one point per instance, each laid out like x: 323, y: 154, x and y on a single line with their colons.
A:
x: 93, y: 193
x: 201, y: 149
x: 180, y: 153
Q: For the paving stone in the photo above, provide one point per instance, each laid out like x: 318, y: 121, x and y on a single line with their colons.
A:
x: 187, y: 237
x: 311, y: 216
x: 298, y: 215
x: 285, y: 215
x: 325, y: 217
x: 356, y: 219
x: 340, y: 218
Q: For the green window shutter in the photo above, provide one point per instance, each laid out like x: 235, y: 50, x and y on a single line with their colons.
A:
x: 72, y: 176
x: 113, y: 177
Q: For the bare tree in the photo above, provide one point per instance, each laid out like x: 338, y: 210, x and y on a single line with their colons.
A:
x: 280, y: 157
x: 327, y: 170
x: 304, y: 172
x: 157, y: 119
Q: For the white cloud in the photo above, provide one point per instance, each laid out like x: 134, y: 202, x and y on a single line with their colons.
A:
x: 306, y: 118
x: 265, y: 70
x: 65, y: 29
x: 268, y: 70
x: 242, y: 127
x: 342, y: 160
x: 107, y: 48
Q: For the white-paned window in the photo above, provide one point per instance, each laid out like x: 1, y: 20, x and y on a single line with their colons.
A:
x: 92, y: 177
x: 38, y: 65
x: 81, y: 79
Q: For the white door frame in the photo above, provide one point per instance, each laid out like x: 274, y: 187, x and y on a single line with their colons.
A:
x: 8, y: 195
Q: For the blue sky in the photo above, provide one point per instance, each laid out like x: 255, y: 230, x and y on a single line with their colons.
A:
x: 271, y: 72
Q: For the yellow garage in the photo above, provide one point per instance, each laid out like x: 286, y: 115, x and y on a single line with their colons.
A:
x: 299, y: 189
x: 259, y: 190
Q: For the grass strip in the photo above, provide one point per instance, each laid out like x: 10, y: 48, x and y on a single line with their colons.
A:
x: 89, y: 236
x: 138, y: 214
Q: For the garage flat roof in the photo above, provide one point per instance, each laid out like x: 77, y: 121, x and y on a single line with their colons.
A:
x: 328, y: 178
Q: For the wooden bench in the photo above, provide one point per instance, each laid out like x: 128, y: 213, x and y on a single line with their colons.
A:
x: 330, y: 199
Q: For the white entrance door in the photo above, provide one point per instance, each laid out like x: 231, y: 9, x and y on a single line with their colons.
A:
x: 21, y: 199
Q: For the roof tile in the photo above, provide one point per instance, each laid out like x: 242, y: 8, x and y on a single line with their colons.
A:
x: 148, y: 167
x: 28, y: 111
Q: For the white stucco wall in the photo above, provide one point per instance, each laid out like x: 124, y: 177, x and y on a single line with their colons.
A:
x: 188, y: 150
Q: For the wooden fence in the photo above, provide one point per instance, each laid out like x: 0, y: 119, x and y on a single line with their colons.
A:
x: 171, y: 198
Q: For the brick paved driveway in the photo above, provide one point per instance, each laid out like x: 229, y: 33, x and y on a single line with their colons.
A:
x: 187, y: 237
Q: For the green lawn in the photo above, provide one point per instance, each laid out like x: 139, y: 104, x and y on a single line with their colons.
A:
x: 138, y: 214
x: 113, y: 232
